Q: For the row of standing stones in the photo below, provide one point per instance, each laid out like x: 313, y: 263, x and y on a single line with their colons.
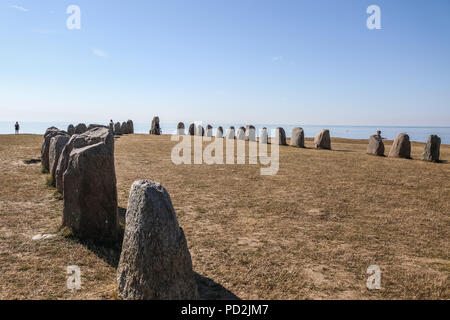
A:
x: 117, y: 128
x: 401, y: 147
x: 155, y: 262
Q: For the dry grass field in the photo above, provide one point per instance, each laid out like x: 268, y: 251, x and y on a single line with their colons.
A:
x: 309, y: 232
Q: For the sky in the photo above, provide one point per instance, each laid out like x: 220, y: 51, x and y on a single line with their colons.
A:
x: 230, y: 61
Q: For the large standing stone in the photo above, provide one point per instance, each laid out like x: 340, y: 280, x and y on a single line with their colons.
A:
x: 230, y: 133
x: 401, y: 148
x: 117, y: 129
x: 323, y: 140
x: 280, y: 137
x: 45, y: 148
x: 298, y: 138
x: 155, y: 263
x: 264, y: 136
x: 219, y: 133
x: 432, y: 149
x: 376, y: 145
x: 71, y: 129
x: 130, y: 127
x: 241, y: 133
x: 57, y: 144
x: 156, y: 129
x: 90, y: 194
x: 250, y: 133
x: 80, y: 128
x: 209, y: 130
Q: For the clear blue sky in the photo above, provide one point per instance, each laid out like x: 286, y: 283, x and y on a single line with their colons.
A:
x: 259, y: 61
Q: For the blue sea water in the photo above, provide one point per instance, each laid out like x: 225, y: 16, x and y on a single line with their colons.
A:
x: 419, y: 134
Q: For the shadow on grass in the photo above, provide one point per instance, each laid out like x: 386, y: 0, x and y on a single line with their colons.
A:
x: 208, y: 289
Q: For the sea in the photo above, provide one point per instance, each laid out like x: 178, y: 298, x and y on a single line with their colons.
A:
x: 418, y: 134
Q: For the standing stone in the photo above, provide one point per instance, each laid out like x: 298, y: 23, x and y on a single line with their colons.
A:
x: 219, y: 133
x: 155, y: 263
x: 130, y: 127
x: 80, y: 128
x: 376, y: 145
x: 280, y: 137
x: 180, y: 129
x: 192, y: 129
x: 124, y: 128
x: 156, y: 129
x: 401, y: 148
x: 209, y: 131
x: 323, y: 140
x: 264, y: 136
x: 117, y: 129
x: 90, y: 194
x: 71, y: 129
x: 230, y: 133
x: 57, y: 144
x: 432, y: 149
x: 45, y: 148
x: 250, y: 133
x: 241, y: 133
x: 199, y: 130
x: 298, y: 138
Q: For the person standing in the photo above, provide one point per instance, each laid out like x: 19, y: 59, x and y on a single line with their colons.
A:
x: 17, y: 127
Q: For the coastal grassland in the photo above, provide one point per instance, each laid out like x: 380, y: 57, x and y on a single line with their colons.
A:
x: 309, y: 232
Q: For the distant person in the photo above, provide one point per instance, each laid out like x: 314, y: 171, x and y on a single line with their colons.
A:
x: 17, y: 127
x: 379, y: 134
x: 111, y: 125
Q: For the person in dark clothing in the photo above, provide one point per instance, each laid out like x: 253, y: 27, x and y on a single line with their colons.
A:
x: 17, y: 127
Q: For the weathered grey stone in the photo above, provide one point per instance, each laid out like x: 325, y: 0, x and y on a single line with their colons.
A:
x: 230, y: 133
x: 155, y: 263
x: 181, y: 129
x: 57, y: 144
x: 90, y: 194
x: 298, y: 137
x: 79, y: 141
x: 432, y: 149
x: 376, y: 145
x: 241, y: 134
x: 130, y: 127
x: 263, y: 136
x: 156, y: 129
x: 209, y: 131
x: 124, y: 127
x: 45, y: 148
x: 191, y: 129
x: 323, y: 140
x: 199, y: 130
x: 92, y: 126
x: 280, y: 137
x: 117, y: 129
x: 401, y: 148
x: 250, y: 133
x: 71, y: 129
x: 219, y: 133
x: 80, y: 128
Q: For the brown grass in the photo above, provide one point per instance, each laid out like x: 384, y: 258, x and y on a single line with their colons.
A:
x: 309, y: 232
